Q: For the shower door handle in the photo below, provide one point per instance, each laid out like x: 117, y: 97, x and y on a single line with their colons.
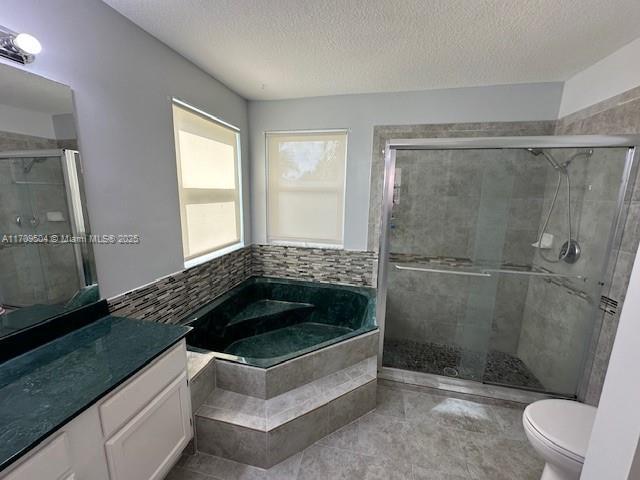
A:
x: 535, y: 274
x: 448, y: 272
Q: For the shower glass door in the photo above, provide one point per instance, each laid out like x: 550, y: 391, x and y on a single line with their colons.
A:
x: 474, y: 289
x: 33, y: 271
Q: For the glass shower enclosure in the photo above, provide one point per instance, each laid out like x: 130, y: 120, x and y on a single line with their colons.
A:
x: 41, y: 200
x: 494, y: 254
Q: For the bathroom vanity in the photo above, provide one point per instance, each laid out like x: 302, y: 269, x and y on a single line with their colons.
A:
x: 107, y: 401
x: 83, y: 394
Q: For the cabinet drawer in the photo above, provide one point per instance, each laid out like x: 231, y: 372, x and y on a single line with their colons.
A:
x: 52, y: 462
x: 130, y: 399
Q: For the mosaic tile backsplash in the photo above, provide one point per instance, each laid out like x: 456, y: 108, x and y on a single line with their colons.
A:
x: 316, y: 264
x: 171, y: 298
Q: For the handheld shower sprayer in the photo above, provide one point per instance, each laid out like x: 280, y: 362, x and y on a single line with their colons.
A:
x: 570, y: 250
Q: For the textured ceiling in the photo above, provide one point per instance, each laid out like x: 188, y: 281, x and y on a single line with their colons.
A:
x: 271, y: 49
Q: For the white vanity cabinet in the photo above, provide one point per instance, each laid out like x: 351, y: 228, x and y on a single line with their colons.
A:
x: 136, y: 432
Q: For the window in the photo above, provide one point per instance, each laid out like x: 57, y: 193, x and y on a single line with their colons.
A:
x: 306, y: 177
x: 208, y: 161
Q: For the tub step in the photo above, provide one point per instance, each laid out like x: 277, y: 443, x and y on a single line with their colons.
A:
x: 264, y: 432
x: 263, y: 308
x: 281, y: 341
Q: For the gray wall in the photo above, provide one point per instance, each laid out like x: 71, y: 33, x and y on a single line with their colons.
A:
x: 122, y: 80
x: 360, y: 113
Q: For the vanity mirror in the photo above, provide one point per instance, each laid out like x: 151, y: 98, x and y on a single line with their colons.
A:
x: 46, y: 264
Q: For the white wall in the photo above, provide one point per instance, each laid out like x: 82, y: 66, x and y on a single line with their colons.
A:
x: 616, y: 431
x: 26, y: 122
x: 359, y: 113
x: 122, y: 80
x: 611, y: 76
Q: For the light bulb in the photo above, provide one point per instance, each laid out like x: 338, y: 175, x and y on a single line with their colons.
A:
x: 27, y: 43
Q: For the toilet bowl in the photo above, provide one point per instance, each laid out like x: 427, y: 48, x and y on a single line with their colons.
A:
x: 559, y: 432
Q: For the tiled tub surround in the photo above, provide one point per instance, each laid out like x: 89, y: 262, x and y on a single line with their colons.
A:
x: 617, y: 115
x: 175, y: 296
x: 260, y: 416
x: 265, y: 432
x: 202, y: 376
x: 270, y: 382
x: 266, y: 321
x: 171, y: 298
x: 322, y: 390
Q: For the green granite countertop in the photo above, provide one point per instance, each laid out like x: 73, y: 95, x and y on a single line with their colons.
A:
x: 44, y: 388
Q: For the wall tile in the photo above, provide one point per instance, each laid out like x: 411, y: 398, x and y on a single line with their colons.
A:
x: 616, y: 115
x: 241, y: 444
x: 474, y: 129
x: 316, y: 264
x: 170, y: 299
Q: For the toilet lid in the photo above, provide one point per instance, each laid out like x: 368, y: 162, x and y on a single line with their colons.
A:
x: 564, y: 423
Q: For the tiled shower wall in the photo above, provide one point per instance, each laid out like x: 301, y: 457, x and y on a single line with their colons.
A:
x: 434, y: 220
x: 558, y: 315
x: 381, y: 134
x: 441, y: 200
x: 171, y: 298
x: 616, y: 115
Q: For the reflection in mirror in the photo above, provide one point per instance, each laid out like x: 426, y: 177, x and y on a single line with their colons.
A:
x: 46, y: 268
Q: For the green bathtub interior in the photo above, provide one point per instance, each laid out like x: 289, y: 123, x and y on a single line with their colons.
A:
x: 265, y: 321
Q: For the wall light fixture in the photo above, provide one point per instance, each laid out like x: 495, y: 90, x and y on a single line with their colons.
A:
x: 19, y: 47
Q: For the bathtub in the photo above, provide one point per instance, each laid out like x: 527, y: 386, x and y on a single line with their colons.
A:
x: 294, y: 361
x: 265, y: 321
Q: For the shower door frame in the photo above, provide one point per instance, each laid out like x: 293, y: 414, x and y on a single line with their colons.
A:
x: 631, y: 142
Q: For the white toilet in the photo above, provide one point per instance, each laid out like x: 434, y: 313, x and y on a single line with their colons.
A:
x: 559, y: 431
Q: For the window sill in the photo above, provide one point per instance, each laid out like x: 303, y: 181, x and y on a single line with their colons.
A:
x: 212, y: 255
x: 286, y: 243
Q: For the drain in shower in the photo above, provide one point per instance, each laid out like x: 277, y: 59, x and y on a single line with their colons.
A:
x: 450, y: 371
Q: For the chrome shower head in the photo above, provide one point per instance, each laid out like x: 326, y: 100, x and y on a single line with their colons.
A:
x: 552, y: 161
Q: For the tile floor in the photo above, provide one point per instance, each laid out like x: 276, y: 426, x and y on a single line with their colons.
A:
x: 415, y: 433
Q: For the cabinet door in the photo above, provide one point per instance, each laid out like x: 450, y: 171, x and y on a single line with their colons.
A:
x: 52, y: 462
x: 148, y: 446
